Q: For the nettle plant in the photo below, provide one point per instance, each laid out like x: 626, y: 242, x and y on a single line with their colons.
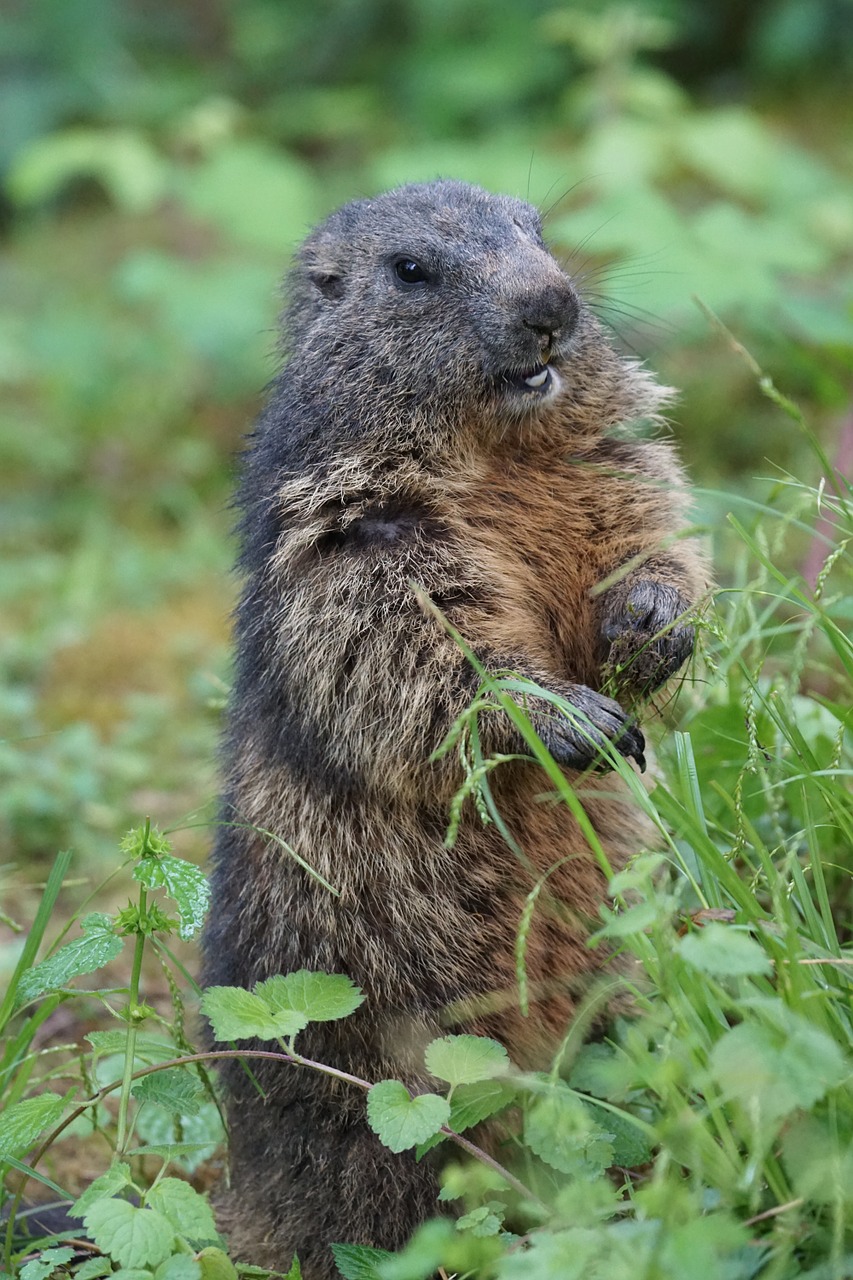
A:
x: 129, y: 1224
x: 139, y: 1229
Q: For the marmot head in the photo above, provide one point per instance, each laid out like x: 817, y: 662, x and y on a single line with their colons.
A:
x: 441, y: 301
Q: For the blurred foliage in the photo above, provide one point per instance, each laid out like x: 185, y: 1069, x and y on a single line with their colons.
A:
x: 158, y: 162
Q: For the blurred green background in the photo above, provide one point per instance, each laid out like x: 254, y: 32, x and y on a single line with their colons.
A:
x: 158, y: 163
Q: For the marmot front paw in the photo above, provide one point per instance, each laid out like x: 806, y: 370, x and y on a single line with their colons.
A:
x: 576, y: 743
x: 646, y: 644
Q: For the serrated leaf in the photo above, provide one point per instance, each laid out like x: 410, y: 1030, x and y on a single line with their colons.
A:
x: 471, y: 1104
x: 558, y: 1128
x: 216, y: 1265
x: 42, y: 1267
x: 466, y: 1059
x: 93, y: 1269
x: 359, y: 1261
x: 724, y: 951
x: 631, y: 1147
x: 176, y: 1089
x: 22, y: 1123
x: 98, y: 945
x: 133, y: 1273
x: 401, y: 1121
x: 319, y: 997
x: 104, y: 1187
x: 186, y: 1209
x: 483, y: 1221
x: 179, y: 1267
x: 133, y: 1236
x: 237, y: 1014
x: 185, y: 883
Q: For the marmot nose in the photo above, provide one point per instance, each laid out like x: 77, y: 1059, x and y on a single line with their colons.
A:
x: 552, y: 314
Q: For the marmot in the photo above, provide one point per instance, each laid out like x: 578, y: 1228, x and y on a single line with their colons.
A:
x: 446, y: 418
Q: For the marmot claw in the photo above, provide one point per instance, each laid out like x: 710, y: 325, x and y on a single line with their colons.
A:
x: 577, y: 743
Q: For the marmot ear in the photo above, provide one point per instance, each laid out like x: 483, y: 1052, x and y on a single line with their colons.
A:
x: 329, y: 283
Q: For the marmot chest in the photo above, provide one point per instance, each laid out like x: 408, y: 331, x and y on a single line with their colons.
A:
x: 539, y: 538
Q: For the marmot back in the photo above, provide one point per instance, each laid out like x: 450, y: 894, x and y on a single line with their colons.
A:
x: 445, y: 417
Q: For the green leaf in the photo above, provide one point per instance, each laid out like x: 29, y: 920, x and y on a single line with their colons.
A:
x: 466, y: 1059
x: 22, y: 1123
x: 631, y: 1147
x: 216, y: 1265
x: 93, y: 1269
x: 359, y: 1261
x: 724, y: 951
x: 145, y: 841
x: 318, y: 997
x: 115, y: 1179
x: 819, y: 1166
x: 201, y: 1134
x: 176, y: 1089
x: 601, y: 1071
x: 774, y: 1071
x: 635, y: 919
x: 186, y: 1209
x: 98, y: 945
x: 474, y: 1102
x: 401, y: 1121
x: 237, y: 1014
x: 184, y: 882
x: 559, y: 1129
x: 486, y: 1220
x: 470, y: 1104
x: 133, y: 1236
x: 179, y: 1267
x: 295, y: 1272
x: 42, y: 1267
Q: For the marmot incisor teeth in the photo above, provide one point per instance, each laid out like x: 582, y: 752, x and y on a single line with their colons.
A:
x: 444, y: 417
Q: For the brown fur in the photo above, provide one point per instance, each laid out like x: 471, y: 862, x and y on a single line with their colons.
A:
x: 508, y: 510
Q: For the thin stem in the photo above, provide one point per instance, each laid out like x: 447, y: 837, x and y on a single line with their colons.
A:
x: 213, y: 1055
x: 132, y: 1025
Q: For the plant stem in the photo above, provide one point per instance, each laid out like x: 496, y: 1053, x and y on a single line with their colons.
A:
x: 132, y: 1025
x: 191, y: 1059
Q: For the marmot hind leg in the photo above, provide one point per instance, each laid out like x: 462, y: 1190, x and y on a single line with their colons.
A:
x: 318, y: 1182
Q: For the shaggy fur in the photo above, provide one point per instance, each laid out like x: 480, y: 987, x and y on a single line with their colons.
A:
x: 401, y: 445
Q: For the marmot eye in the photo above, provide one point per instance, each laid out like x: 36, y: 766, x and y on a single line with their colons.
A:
x: 409, y: 271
